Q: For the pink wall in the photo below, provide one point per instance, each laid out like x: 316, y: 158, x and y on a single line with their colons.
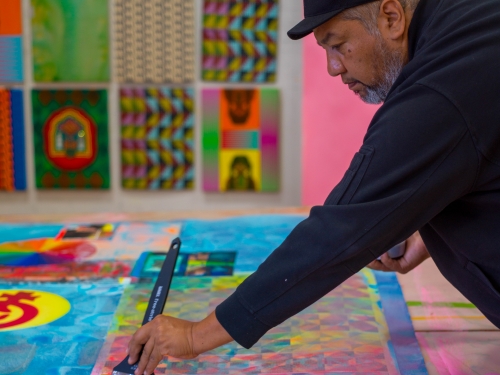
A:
x: 333, y: 125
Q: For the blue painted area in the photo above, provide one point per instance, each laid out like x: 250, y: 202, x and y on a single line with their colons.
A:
x: 11, y: 61
x: 254, y: 238
x: 23, y: 232
x: 69, y: 345
x: 16, y: 97
x: 403, y: 340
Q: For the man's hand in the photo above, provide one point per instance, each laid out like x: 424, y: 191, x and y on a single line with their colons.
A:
x: 415, y: 253
x: 167, y: 336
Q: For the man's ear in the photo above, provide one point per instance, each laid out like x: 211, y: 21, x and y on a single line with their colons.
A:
x: 392, y: 20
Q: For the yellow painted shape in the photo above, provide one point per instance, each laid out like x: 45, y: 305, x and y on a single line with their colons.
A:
x: 50, y: 308
x: 226, y: 158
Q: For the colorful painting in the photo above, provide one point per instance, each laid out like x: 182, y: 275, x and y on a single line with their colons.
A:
x: 361, y: 327
x: 345, y: 332
x: 44, y: 251
x: 194, y: 264
x: 89, y: 231
x: 65, y: 48
x: 72, y: 271
x: 157, y: 138
x: 54, y: 328
x: 71, y: 139
x: 168, y: 26
x: 11, y: 41
x: 241, y: 140
x: 240, y: 40
x: 12, y: 157
x: 131, y: 239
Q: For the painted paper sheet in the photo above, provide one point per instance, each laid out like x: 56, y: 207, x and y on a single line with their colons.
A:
x: 73, y: 271
x: 255, y: 237
x: 194, y: 264
x: 241, y: 140
x: 70, y: 40
x: 345, y: 332
x: 348, y: 331
x: 12, y: 154
x: 50, y: 250
x: 157, y: 126
x: 11, y: 41
x: 54, y: 328
x: 71, y: 139
x: 240, y: 40
x: 168, y: 27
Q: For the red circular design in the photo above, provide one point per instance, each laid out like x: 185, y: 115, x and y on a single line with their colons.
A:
x: 61, y: 139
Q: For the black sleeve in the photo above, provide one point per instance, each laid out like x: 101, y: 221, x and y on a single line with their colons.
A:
x: 417, y: 157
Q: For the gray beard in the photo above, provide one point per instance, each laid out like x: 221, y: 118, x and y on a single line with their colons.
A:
x: 392, y: 65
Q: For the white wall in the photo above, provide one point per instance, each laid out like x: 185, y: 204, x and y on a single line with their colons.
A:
x: 119, y: 200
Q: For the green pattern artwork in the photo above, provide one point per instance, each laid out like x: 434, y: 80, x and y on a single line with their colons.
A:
x: 70, y: 40
x: 71, y: 139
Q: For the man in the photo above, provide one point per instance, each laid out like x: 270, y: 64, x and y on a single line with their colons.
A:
x: 429, y: 166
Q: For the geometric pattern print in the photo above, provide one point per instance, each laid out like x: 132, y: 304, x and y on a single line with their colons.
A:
x: 240, y: 40
x: 12, y: 155
x: 157, y: 138
x: 154, y: 41
x: 344, y: 332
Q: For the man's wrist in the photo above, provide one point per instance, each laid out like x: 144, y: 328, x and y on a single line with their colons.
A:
x: 208, y: 334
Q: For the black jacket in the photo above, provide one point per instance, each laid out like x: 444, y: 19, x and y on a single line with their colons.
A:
x: 430, y: 161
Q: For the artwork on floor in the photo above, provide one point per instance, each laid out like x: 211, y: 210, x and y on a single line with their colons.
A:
x: 344, y: 332
x: 71, y: 139
x: 97, y: 303
x: 131, y: 239
x: 168, y: 26
x: 65, y: 48
x: 89, y: 231
x: 240, y: 40
x: 11, y: 41
x: 219, y: 263
x: 44, y: 251
x: 12, y: 151
x: 241, y: 140
x: 54, y: 328
x: 157, y: 126
x: 67, y: 272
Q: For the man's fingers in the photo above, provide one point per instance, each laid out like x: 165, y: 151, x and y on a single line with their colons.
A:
x: 393, y: 264
x: 154, y: 359
x: 378, y: 266
x: 146, y: 354
x: 136, y: 343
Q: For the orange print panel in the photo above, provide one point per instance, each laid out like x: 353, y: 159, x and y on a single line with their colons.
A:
x: 10, y: 17
x: 239, y: 109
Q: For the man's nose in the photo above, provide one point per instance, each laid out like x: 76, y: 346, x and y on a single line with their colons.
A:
x: 334, y: 65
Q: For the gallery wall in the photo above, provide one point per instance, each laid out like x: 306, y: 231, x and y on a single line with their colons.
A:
x: 288, y: 82
x: 334, y: 122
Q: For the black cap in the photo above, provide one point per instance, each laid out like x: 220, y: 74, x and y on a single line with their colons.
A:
x: 317, y: 12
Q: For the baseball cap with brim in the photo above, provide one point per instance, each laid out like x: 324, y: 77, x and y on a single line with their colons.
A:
x: 317, y: 12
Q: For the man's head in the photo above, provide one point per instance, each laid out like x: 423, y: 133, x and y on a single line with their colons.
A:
x: 367, y: 45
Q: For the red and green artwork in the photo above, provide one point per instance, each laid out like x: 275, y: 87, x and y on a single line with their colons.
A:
x: 71, y: 139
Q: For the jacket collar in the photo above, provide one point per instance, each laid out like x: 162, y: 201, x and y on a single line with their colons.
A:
x: 421, y: 19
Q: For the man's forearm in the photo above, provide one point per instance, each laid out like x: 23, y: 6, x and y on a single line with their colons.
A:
x: 209, y: 334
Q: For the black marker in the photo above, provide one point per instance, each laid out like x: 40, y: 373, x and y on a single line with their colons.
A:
x: 156, y: 301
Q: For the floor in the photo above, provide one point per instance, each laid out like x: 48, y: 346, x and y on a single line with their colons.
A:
x: 454, y: 336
